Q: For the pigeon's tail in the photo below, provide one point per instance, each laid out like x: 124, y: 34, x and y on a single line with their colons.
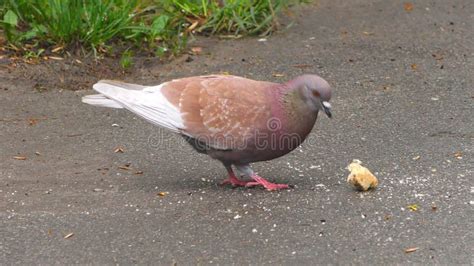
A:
x: 146, y: 102
x: 100, y: 100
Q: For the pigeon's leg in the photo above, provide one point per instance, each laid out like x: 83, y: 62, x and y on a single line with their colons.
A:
x: 233, y: 180
x: 259, y: 181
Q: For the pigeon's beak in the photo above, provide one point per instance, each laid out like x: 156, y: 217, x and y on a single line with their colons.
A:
x: 326, y: 108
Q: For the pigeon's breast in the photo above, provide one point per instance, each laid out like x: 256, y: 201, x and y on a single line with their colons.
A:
x: 275, y: 141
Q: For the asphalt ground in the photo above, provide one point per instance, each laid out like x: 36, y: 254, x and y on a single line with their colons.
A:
x: 403, y: 105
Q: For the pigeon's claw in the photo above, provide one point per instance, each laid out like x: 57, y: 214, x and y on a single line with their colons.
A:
x: 235, y: 182
x: 266, y: 184
x: 276, y: 187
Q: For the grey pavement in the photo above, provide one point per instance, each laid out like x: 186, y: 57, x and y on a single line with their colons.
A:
x: 403, y: 105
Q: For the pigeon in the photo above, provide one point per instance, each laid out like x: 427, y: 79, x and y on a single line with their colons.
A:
x: 232, y: 119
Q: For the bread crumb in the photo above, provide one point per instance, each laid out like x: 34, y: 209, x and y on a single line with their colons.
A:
x: 360, y: 177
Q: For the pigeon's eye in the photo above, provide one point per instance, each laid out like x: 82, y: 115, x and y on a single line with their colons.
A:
x: 316, y: 94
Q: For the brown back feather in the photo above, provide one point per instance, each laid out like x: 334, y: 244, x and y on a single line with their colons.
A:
x: 223, y: 111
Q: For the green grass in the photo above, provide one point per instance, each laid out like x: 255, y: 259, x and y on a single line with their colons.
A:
x: 126, y: 60
x: 245, y: 17
x: 158, y: 26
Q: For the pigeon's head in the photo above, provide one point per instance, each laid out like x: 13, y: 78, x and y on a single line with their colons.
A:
x: 316, y: 92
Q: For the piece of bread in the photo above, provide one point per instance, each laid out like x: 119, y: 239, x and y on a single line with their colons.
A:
x: 360, y: 177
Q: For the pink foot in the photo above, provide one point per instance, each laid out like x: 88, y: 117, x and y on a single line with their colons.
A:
x: 257, y: 181
x: 235, y: 182
x: 267, y: 185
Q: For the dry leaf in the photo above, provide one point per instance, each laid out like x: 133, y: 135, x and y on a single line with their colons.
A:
x: 413, y: 207
x: 278, y: 75
x: 163, y: 193
x: 138, y: 173
x: 230, y: 36
x: 68, y: 235
x: 119, y: 150
x: 125, y: 167
x: 14, y: 48
x: 196, y: 50
x: 59, y: 48
x: 410, y: 250
x: 32, y: 121
x: 458, y: 155
x: 408, y: 7
x: 414, y: 66
x: 21, y: 158
x: 102, y: 49
x: 193, y: 26
x: 31, y: 61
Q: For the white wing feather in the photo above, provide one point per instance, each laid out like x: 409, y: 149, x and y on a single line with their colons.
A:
x: 100, y: 100
x: 146, y: 102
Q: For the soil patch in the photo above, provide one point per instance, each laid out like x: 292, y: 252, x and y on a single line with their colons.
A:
x: 79, y: 73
